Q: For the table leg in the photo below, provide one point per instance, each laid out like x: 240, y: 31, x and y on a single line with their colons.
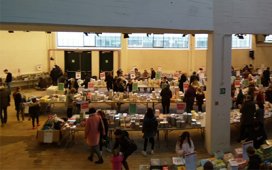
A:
x: 158, y: 138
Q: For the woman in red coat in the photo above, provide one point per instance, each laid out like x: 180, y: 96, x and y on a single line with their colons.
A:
x: 92, y: 134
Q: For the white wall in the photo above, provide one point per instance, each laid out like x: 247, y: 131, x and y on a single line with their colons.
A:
x: 23, y: 51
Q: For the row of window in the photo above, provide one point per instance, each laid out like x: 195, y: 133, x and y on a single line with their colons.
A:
x: 141, y: 40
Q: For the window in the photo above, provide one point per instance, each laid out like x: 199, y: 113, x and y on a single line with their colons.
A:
x: 268, y: 39
x: 79, y: 39
x: 142, y: 40
x: 201, y: 41
x: 241, y: 43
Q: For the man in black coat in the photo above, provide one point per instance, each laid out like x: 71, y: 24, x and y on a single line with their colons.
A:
x: 166, y: 96
x: 4, y: 103
x: 8, y: 79
x: 247, y: 110
x: 266, y: 77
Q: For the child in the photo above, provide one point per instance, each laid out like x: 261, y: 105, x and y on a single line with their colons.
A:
x: 254, y: 159
x: 17, y: 96
x: 116, y: 161
x: 34, y: 112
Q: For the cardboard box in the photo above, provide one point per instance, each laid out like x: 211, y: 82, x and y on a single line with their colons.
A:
x: 48, y: 136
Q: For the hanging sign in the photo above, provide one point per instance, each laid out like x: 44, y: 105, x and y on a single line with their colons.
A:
x: 245, y: 83
x: 237, y: 83
x: 102, y: 76
x: 78, y: 75
x: 158, y: 75
x: 132, y: 108
x: 84, y: 106
x: 134, y: 86
x: 61, y: 86
x: 190, y: 161
x: 132, y: 76
x: 181, y: 107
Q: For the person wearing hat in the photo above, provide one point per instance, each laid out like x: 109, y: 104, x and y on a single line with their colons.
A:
x: 92, y: 134
x: 184, y: 144
x: 126, y: 145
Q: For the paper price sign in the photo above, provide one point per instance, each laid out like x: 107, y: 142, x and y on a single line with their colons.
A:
x: 132, y: 108
x: 60, y: 86
x: 90, y: 85
x: 135, y: 87
x: 102, y: 76
x: 181, y: 107
x: 78, y: 75
x: 89, y: 95
x: 132, y: 76
x: 237, y: 83
x: 245, y: 83
x: 185, y: 86
x: 84, y: 107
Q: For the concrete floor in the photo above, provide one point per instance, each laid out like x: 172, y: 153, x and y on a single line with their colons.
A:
x: 19, y: 148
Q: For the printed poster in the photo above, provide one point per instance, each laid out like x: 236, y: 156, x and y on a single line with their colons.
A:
x: 132, y: 76
x: 78, y: 75
x: 134, y: 87
x: 132, y: 108
x: 181, y: 107
x: 158, y: 75
x: 84, y: 106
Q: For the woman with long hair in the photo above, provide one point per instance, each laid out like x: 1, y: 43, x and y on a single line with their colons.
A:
x: 184, y: 144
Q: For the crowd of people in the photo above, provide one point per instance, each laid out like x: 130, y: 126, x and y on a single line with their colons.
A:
x: 251, y: 107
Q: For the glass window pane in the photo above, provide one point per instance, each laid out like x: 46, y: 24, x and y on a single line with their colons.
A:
x: 241, y: 43
x: 70, y: 39
x: 79, y: 39
x: 158, y: 40
x: 201, y: 41
x: 142, y: 40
